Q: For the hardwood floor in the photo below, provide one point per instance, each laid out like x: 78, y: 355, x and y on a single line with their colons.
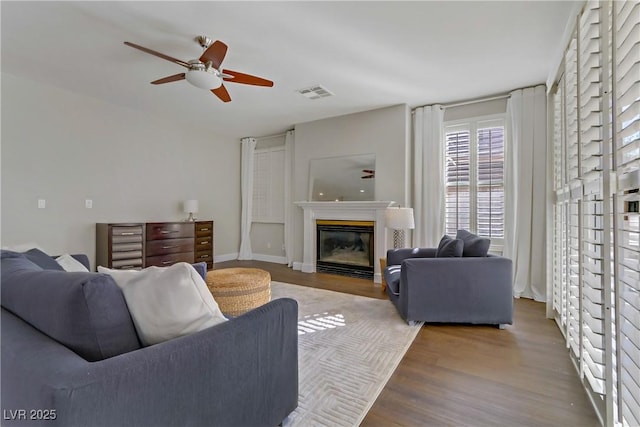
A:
x: 456, y: 375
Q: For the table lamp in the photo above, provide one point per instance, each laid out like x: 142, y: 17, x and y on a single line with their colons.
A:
x: 190, y: 207
x: 399, y: 219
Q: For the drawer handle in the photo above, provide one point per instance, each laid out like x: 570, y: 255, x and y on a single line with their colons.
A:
x: 127, y: 233
x: 204, y: 229
x: 168, y: 231
x: 126, y: 267
x: 167, y: 262
x: 204, y: 256
x: 170, y: 247
x: 205, y: 242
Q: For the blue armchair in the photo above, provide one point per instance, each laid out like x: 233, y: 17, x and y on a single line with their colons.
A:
x: 475, y: 290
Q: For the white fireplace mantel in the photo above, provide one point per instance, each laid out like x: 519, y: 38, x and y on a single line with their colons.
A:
x: 346, y: 211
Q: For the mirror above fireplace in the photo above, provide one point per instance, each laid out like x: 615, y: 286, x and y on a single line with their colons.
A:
x: 343, y: 178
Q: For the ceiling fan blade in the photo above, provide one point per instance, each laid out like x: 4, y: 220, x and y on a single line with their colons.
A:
x: 169, y: 79
x: 222, y: 93
x: 158, y: 54
x: 215, y: 54
x: 247, y: 79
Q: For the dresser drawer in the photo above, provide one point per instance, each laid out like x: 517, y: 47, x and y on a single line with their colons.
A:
x: 169, y: 230
x: 204, y: 256
x: 170, y: 259
x: 169, y: 246
x: 204, y: 243
x: 204, y: 229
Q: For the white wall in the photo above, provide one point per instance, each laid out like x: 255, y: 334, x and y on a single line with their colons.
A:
x: 384, y: 132
x: 65, y: 148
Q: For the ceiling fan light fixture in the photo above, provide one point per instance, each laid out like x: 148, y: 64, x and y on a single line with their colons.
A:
x: 203, y: 79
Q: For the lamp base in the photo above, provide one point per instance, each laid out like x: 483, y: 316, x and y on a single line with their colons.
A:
x: 191, y: 217
x: 398, y: 239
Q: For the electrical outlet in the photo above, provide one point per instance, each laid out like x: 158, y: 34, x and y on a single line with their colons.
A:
x: 42, y: 203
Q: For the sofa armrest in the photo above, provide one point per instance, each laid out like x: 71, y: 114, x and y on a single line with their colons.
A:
x: 471, y: 289
x: 396, y: 256
x: 240, y: 372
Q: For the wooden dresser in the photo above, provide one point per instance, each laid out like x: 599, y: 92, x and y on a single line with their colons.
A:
x: 204, y: 243
x: 169, y: 242
x: 140, y: 245
x: 120, y: 245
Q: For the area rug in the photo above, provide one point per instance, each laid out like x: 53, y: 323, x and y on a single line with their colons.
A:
x: 348, y: 347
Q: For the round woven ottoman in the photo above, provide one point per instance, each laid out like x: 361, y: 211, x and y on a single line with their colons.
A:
x: 238, y: 290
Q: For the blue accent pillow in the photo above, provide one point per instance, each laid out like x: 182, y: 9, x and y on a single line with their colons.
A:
x: 201, y: 268
x: 474, y: 246
x: 86, y: 312
x: 449, y: 247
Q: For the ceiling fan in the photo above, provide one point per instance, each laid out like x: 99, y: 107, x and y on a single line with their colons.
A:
x: 368, y: 173
x: 206, y: 72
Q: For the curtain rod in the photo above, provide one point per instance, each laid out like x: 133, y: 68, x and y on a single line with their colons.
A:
x: 475, y: 101
x: 278, y: 135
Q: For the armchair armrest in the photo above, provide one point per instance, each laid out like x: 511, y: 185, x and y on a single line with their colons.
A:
x: 237, y: 373
x: 396, y: 256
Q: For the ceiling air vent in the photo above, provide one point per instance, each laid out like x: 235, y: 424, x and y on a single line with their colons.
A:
x: 315, y: 92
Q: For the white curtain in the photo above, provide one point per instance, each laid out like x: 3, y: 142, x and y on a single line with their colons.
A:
x: 246, y: 187
x: 525, y: 186
x: 428, y: 176
x: 288, y: 188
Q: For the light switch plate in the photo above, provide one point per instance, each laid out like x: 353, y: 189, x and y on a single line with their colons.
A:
x: 88, y: 203
x: 42, y: 203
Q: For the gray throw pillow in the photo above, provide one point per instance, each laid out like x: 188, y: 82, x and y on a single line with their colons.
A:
x: 86, y: 312
x: 42, y: 260
x: 449, y: 248
x: 474, y: 246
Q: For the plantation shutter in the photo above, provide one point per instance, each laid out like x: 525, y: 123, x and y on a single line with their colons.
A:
x: 595, y: 204
x: 560, y: 265
x: 458, y: 181
x: 626, y: 60
x: 574, y: 195
x: 268, y: 185
x: 490, y: 182
x: 596, y: 134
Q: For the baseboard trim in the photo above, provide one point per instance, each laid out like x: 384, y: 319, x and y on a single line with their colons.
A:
x: 270, y: 258
x: 297, y: 266
x: 225, y: 257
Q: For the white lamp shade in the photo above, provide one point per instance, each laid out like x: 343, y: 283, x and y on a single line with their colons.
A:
x: 190, y: 206
x: 399, y: 218
x: 203, y: 79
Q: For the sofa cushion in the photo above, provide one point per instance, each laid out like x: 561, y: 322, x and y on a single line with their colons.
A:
x: 167, y: 302
x: 392, y: 277
x: 449, y: 247
x: 474, y: 246
x: 40, y: 258
x: 84, y: 311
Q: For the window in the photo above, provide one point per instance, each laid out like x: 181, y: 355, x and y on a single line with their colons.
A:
x: 474, y: 178
x: 268, y: 185
x: 596, y: 226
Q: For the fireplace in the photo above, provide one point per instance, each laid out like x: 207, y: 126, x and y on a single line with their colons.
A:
x: 345, y: 247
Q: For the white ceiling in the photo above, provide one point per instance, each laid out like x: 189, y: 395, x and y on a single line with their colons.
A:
x: 369, y: 54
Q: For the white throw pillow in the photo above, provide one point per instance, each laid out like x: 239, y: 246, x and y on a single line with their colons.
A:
x: 69, y: 263
x: 167, y: 302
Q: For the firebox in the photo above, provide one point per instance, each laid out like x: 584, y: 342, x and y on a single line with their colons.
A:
x: 345, y: 247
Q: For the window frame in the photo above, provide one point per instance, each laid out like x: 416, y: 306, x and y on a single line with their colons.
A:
x: 271, y: 217
x: 472, y: 125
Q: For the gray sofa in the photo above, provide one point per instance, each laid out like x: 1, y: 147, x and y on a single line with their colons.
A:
x: 71, y: 357
x: 475, y: 290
